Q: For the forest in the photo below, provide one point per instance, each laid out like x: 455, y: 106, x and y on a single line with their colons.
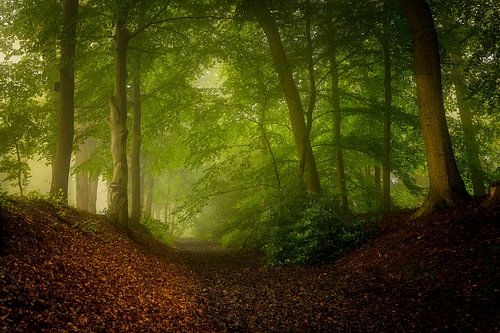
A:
x: 279, y: 141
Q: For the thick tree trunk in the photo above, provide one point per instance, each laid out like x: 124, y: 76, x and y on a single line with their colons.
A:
x: 446, y: 187
x: 135, y: 214
x: 386, y: 162
x: 337, y: 137
x: 471, y: 146
x: 117, y: 193
x: 62, y: 161
x: 292, y: 98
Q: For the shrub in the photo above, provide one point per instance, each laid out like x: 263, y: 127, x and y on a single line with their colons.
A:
x: 311, y: 233
x: 157, y: 229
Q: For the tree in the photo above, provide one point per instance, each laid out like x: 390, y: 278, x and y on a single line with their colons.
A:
x: 292, y: 98
x: 471, y: 146
x: 337, y: 138
x: 135, y: 209
x: 446, y: 186
x: 117, y: 192
x: 86, y: 180
x: 60, y: 170
x: 386, y: 162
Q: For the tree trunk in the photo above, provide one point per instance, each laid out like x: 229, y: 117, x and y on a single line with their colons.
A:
x: 471, y: 146
x: 148, y: 195
x: 93, y: 180
x: 93, y: 187
x: 170, y: 219
x: 62, y: 161
x: 82, y: 179
x: 86, y: 184
x: 378, y: 184
x: 446, y: 187
x: 117, y: 194
x: 386, y: 162
x: 19, y: 171
x: 135, y: 215
x: 337, y: 138
x: 292, y: 98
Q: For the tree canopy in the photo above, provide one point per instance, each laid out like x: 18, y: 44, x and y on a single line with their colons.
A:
x: 249, y: 120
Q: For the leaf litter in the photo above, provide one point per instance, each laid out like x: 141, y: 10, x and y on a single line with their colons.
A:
x: 66, y: 270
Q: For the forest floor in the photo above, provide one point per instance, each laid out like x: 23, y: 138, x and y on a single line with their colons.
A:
x: 65, y: 270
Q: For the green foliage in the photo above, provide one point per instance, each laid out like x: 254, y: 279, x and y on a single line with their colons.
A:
x: 88, y: 226
x: 157, y: 229
x: 312, y: 232
x: 235, y: 237
x: 16, y: 172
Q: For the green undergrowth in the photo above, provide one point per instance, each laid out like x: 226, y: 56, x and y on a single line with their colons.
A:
x: 295, y: 229
x: 157, y: 229
x: 314, y: 232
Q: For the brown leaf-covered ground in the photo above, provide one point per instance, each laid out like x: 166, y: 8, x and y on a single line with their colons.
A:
x: 63, y: 270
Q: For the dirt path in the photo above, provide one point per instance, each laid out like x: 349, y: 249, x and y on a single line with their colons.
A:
x: 247, y: 296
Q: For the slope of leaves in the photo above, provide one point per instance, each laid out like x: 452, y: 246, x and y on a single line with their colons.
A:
x: 63, y: 270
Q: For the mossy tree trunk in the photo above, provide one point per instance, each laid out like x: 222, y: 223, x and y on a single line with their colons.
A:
x: 117, y: 193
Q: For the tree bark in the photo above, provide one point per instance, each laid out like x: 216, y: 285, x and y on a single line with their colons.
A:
x: 386, y: 162
x: 292, y: 98
x: 471, y: 146
x: 135, y: 167
x: 117, y: 194
x: 62, y: 161
x: 446, y: 187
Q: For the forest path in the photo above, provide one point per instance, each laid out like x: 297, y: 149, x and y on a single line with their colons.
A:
x: 243, y: 294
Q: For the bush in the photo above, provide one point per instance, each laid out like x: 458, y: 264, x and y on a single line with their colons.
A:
x: 311, y: 233
x: 157, y: 229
